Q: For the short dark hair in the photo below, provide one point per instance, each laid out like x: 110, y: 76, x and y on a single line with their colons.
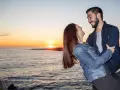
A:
x: 96, y: 10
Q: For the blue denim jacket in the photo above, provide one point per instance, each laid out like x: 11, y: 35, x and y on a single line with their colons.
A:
x: 91, y: 62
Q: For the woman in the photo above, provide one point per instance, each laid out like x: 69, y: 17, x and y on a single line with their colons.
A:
x: 92, y: 64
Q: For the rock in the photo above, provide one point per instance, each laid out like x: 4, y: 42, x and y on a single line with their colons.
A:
x: 12, y: 87
x: 1, y: 86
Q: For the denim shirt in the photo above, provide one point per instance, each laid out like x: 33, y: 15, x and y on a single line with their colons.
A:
x: 91, y: 62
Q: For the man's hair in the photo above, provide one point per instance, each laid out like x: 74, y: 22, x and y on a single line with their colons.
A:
x: 96, y: 10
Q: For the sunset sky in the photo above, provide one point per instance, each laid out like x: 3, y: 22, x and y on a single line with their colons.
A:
x: 40, y: 23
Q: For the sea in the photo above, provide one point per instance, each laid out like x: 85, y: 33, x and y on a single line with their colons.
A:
x: 30, y: 69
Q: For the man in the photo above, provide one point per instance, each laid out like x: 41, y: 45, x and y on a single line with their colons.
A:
x: 104, y: 34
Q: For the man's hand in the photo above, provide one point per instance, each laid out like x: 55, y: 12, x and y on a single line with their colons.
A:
x: 111, y: 48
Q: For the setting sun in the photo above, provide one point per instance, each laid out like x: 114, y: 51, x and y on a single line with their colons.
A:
x: 51, y: 44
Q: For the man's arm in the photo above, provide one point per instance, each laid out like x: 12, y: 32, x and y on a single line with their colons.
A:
x: 113, y: 64
x: 113, y: 37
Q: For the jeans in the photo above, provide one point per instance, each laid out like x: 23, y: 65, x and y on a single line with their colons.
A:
x: 109, y: 82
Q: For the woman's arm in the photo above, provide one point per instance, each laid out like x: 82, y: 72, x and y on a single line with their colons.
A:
x: 88, y: 60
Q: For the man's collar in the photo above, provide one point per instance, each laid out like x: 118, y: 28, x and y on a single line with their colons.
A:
x: 104, y: 25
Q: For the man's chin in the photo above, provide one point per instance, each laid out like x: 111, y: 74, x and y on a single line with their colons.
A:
x: 93, y: 26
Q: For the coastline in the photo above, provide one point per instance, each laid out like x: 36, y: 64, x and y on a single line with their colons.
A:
x: 54, y: 49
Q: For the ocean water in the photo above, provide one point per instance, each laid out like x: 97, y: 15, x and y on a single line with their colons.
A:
x: 39, y: 70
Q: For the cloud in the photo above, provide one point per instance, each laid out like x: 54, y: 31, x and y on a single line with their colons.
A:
x: 5, y: 34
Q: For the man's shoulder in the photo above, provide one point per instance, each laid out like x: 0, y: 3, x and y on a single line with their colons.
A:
x: 90, y: 38
x: 91, y: 34
x: 112, y: 27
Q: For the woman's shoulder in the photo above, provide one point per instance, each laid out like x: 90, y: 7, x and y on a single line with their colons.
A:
x: 81, y: 46
x: 78, y: 48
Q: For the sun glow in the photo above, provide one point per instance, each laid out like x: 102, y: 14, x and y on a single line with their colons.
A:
x: 51, y: 44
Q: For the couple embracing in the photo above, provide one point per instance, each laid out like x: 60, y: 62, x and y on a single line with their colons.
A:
x: 99, y: 56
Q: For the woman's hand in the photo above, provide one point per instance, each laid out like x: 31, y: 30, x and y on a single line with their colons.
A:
x: 111, y: 48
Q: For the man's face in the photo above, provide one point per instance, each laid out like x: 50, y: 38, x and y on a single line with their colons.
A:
x: 92, y: 19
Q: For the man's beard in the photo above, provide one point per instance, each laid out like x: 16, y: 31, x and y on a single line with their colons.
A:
x: 96, y: 23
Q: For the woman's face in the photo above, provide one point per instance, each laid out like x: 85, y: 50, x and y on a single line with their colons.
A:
x: 80, y: 33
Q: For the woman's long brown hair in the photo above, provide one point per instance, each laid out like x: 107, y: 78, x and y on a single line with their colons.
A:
x: 69, y: 41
